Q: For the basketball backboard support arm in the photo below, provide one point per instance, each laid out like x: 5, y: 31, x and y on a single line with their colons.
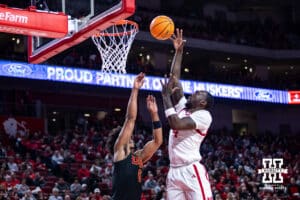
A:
x: 92, y: 9
x: 123, y: 10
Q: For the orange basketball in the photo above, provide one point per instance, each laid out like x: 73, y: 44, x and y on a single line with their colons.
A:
x: 162, y: 27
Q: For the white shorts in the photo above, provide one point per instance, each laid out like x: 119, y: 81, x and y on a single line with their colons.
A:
x: 189, y: 182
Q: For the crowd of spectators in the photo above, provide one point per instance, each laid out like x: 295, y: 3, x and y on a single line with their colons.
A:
x: 262, y: 33
x: 76, y: 165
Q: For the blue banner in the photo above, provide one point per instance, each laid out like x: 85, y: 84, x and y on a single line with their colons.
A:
x: 94, y: 77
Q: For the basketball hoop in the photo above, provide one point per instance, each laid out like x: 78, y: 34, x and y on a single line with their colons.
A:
x: 114, y: 44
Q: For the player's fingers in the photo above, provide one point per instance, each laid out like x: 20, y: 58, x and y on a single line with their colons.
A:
x: 153, y: 100
x: 166, y: 78
x: 181, y: 33
x: 150, y: 97
x: 177, y: 32
x: 141, y: 74
x: 162, y: 84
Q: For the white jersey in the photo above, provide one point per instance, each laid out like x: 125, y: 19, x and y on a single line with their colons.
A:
x: 184, y: 145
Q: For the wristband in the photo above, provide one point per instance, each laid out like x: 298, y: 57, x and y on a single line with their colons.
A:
x: 170, y: 111
x: 156, y: 124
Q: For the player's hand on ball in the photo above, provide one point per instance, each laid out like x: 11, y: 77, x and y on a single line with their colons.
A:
x: 151, y: 104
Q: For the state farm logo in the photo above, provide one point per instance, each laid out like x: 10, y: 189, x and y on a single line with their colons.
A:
x: 11, y: 17
x: 16, y: 69
x: 263, y: 95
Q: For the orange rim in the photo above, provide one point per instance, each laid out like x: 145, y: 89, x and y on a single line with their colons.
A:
x: 119, y: 23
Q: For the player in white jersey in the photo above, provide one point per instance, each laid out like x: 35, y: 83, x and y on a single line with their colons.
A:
x: 189, y: 121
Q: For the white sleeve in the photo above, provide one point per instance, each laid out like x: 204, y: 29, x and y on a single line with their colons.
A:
x: 202, y: 119
x: 181, y: 104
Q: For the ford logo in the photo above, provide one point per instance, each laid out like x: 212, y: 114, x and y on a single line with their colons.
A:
x: 17, y: 69
x: 264, y: 95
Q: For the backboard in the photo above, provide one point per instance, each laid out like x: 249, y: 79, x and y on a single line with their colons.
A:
x: 85, y: 18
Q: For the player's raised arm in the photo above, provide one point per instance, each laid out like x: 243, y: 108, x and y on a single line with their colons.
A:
x: 178, y: 44
x: 131, y: 113
x: 151, y: 146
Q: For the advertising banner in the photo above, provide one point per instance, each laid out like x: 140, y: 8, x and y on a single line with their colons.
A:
x: 94, y: 77
x: 33, y: 22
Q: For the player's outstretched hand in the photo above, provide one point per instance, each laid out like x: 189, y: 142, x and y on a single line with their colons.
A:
x: 177, y: 39
x: 139, y: 81
x: 151, y: 104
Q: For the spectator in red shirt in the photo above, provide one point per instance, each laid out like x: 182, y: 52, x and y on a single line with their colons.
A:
x: 18, y: 159
x: 73, y: 145
x: 39, y: 165
x: 83, y: 173
x: 9, y: 182
x: 79, y: 156
x: 97, y: 193
x: 220, y: 184
x: 293, y: 189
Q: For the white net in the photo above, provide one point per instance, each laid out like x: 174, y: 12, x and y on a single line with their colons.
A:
x: 114, y: 44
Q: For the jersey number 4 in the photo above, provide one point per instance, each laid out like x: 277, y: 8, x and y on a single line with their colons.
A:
x: 175, y: 133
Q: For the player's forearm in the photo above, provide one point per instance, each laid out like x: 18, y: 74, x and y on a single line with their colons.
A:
x: 154, y: 116
x: 167, y: 101
x: 132, y: 105
x: 176, y: 63
x: 173, y: 119
x: 157, y: 137
x: 157, y: 128
x: 174, y: 122
x: 170, y: 112
x: 151, y: 146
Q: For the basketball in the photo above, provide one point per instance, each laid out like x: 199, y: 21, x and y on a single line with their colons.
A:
x: 162, y: 27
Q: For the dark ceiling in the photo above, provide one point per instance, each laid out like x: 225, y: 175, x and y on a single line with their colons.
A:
x: 218, y: 57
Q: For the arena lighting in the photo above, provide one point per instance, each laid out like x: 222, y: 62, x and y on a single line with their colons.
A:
x: 186, y: 70
x: 41, y: 5
x: 87, y: 114
x: 97, y: 78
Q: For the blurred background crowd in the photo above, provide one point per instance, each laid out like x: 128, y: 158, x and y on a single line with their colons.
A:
x: 72, y: 164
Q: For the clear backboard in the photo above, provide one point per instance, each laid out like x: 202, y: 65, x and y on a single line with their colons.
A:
x: 85, y: 18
